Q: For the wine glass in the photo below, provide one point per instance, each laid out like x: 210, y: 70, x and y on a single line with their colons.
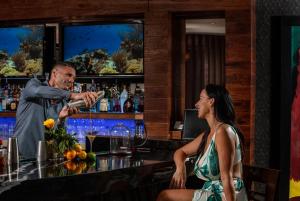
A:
x: 140, y: 136
x: 91, y: 136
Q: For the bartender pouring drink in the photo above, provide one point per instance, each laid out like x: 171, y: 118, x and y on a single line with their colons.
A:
x: 43, y: 100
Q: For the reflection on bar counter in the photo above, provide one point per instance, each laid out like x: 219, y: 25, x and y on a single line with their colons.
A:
x: 75, y: 125
x: 7, y: 125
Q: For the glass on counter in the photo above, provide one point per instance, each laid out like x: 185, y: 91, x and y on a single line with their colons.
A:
x: 3, y: 161
x: 120, y: 139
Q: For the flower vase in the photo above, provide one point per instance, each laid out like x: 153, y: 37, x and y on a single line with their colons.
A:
x: 53, y: 151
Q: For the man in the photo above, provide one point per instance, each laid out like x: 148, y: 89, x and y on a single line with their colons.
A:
x: 43, y: 100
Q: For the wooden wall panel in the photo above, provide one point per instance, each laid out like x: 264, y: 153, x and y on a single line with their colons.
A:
x: 238, y: 91
x: 157, y: 79
x: 242, y: 105
x: 157, y: 48
x: 235, y: 74
x: 240, y: 70
x: 253, y: 82
x: 156, y: 103
x: 161, y: 91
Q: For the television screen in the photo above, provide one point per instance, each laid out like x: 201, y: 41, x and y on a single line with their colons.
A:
x: 21, y: 50
x: 104, y: 48
x: 193, y: 125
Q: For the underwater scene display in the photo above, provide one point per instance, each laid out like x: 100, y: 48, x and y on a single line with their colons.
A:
x: 104, y: 49
x: 21, y: 50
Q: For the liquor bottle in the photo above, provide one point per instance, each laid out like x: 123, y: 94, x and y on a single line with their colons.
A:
x: 15, y: 94
x: 117, y: 106
x: 109, y: 100
x: 128, y: 105
x: 114, y: 101
x: 123, y: 98
x: 93, y: 86
x: 141, y: 103
x: 5, y: 105
x: 83, y: 87
x: 1, y: 93
x: 93, y: 89
x: 97, y: 105
x: 103, y: 105
x: 136, y: 98
x: 13, y: 104
x: 4, y: 100
x: 77, y: 87
x: 6, y: 87
x: 1, y: 103
x: 9, y: 101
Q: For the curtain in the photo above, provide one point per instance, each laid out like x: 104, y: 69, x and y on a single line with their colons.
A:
x: 205, y: 61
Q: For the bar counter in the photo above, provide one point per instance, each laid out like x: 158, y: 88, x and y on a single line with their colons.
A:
x: 139, y: 176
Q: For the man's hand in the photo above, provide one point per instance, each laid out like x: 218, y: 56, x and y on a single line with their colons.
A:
x: 67, y: 111
x: 88, y: 97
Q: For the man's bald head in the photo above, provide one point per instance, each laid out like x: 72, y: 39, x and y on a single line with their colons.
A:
x: 61, y: 65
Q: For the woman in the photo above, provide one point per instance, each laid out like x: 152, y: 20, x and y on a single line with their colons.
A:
x: 219, y: 152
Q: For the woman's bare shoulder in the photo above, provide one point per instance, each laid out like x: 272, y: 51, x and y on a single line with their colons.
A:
x: 224, y: 133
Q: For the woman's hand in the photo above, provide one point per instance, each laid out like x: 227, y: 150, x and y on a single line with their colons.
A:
x: 179, y: 178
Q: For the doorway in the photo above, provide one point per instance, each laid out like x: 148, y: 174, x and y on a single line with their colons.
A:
x: 198, y: 54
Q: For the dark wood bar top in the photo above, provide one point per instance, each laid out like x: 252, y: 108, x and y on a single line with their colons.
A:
x: 109, y: 176
x: 101, y: 115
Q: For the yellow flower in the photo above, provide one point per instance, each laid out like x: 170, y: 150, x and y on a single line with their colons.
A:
x: 49, y: 123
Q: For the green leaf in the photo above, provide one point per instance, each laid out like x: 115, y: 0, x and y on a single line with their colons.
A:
x: 214, y: 161
x: 204, y: 170
x: 62, y: 139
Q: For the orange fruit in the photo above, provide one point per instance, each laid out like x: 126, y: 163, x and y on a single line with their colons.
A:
x: 78, y: 147
x: 71, y: 154
x: 70, y: 165
x: 65, y: 153
x: 82, y: 155
x: 82, y: 165
x: 78, y: 170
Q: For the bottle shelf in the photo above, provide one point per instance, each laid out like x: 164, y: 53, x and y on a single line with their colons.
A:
x: 101, y: 115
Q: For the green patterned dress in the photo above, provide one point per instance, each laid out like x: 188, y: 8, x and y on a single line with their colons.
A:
x: 207, y: 168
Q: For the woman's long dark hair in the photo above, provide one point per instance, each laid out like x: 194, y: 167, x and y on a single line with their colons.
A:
x: 224, y: 111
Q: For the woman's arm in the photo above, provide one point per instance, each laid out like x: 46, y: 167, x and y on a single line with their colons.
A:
x: 225, y: 145
x: 179, y: 177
